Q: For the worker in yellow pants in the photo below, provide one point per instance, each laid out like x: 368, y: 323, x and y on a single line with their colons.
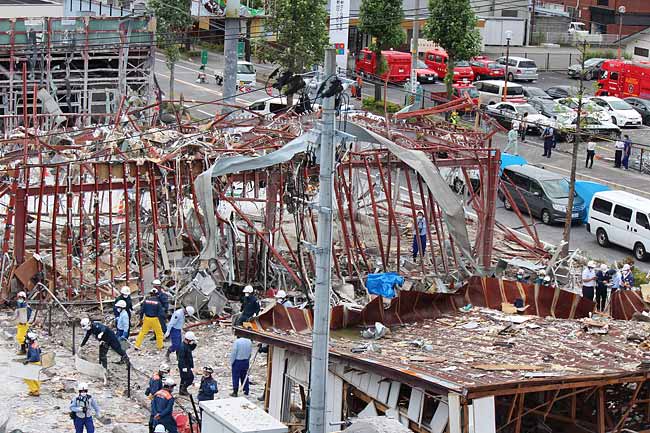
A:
x: 34, y: 358
x: 22, y: 315
x: 149, y: 313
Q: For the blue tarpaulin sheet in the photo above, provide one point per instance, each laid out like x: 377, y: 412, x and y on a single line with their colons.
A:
x: 586, y: 191
x: 383, y: 284
x: 509, y: 159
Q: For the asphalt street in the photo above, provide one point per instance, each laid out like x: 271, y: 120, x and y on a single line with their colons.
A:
x: 602, y: 172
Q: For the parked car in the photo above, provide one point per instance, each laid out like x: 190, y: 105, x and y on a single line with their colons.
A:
x: 642, y: 106
x: 550, y: 108
x: 588, y: 108
x: 437, y: 60
x: 519, y: 68
x: 456, y: 179
x: 621, y: 218
x: 590, y: 127
x: 424, y: 74
x: 269, y: 106
x: 544, y: 192
x: 557, y: 92
x: 592, y: 69
x: 531, y: 92
x: 492, y: 91
x: 485, y: 69
x: 622, y: 113
x: 506, y: 112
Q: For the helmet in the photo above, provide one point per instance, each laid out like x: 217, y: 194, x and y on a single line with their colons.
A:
x: 547, y: 279
x: 153, y: 291
x: 169, y: 382
x: 189, y: 335
x: 208, y: 369
x: 121, y: 303
x: 22, y: 295
x: 85, y: 323
x: 281, y: 294
x: 520, y: 271
x: 160, y: 429
x: 591, y: 264
x: 604, y: 267
x: 125, y: 290
x: 156, y: 282
x: 626, y: 267
x: 82, y: 386
x: 248, y: 289
x: 189, y: 309
x: 164, y: 368
x: 31, y: 336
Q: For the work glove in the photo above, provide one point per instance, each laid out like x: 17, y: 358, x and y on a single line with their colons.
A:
x: 100, y: 335
x: 25, y: 362
x: 185, y: 370
x: 166, y: 336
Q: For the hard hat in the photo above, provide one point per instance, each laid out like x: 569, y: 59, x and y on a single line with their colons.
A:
x: 169, y: 382
x: 125, y: 290
x: 591, y: 264
x: 281, y: 294
x: 189, y: 309
x: 208, y: 369
x: 31, y: 335
x: 541, y: 272
x: 156, y: 282
x: 547, y: 278
x: 164, y: 368
x: 22, y: 295
x: 248, y: 289
x: 121, y: 303
x: 85, y: 323
x: 520, y: 271
x: 604, y: 267
x: 189, y: 335
x: 153, y: 291
x: 82, y: 386
x: 626, y: 267
x: 160, y: 429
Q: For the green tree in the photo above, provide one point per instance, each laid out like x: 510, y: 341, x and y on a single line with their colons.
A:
x: 452, y: 25
x: 173, y: 18
x: 382, y: 20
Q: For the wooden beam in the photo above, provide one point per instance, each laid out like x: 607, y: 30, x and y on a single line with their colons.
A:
x: 632, y: 403
x: 520, y: 410
x: 601, y: 410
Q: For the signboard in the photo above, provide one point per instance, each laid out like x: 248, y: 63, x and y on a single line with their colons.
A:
x: 204, y: 57
x: 339, y: 29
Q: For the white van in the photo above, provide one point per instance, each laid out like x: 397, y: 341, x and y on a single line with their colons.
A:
x: 491, y: 91
x: 621, y: 218
x: 269, y: 106
x: 519, y: 68
x: 246, y: 74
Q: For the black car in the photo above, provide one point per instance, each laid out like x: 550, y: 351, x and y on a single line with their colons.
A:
x: 642, y: 106
x: 592, y: 69
x: 547, y: 107
x: 558, y: 92
x: 531, y: 92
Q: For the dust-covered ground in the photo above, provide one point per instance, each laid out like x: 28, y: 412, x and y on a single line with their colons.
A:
x: 50, y: 412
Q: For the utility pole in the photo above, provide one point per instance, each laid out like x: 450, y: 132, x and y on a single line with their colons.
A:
x: 621, y: 11
x: 566, y: 234
x: 230, y: 41
x: 321, y: 332
x: 414, y: 47
x: 532, y: 23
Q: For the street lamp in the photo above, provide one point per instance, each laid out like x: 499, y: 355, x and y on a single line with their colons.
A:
x: 621, y: 11
x: 505, y: 85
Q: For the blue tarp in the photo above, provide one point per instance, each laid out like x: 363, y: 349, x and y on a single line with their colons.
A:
x: 586, y: 191
x: 383, y: 284
x: 509, y: 159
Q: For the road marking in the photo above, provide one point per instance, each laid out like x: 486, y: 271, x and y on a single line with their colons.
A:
x: 205, y: 89
x: 204, y: 112
x: 603, y: 181
x: 180, y: 66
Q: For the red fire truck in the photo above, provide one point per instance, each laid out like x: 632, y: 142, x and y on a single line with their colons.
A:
x: 624, y: 78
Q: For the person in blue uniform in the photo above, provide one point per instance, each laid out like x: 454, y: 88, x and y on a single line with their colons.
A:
x: 186, y: 362
x: 208, y: 387
x: 107, y: 339
x: 162, y: 406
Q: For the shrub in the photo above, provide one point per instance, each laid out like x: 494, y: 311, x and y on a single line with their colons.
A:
x: 377, y: 107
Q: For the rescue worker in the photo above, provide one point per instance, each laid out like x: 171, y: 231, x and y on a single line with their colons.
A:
x: 164, y: 303
x: 208, y: 387
x: 420, y: 236
x: 175, y: 328
x: 239, y: 361
x: 186, y: 362
x: 82, y: 408
x: 122, y: 320
x: 162, y: 406
x: 454, y: 119
x: 125, y: 295
x: 150, y: 312
x: 106, y: 338
x: 250, y: 306
x: 33, y: 357
x: 359, y: 87
x: 281, y: 298
x: 522, y: 277
x: 156, y: 381
x: 22, y: 317
x: 627, y: 277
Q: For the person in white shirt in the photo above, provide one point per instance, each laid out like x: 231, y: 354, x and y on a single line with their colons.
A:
x: 618, y: 153
x: 591, y: 152
x: 589, y: 281
x: 513, y: 135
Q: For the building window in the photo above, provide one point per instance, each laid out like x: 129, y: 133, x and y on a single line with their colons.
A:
x: 509, y: 13
x: 603, y: 2
x: 641, y: 52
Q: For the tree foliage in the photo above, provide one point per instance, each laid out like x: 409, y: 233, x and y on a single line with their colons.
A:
x: 452, y: 25
x: 300, y: 28
x: 382, y: 20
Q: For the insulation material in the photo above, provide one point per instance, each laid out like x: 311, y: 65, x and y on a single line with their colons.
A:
x: 29, y: 371
x: 89, y: 368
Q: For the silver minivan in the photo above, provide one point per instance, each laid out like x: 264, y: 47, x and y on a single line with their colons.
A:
x: 519, y: 68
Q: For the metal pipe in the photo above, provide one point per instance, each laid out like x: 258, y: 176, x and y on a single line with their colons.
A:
x: 97, y: 229
x: 110, y: 220
x: 154, y: 216
x: 127, y: 238
x: 376, y: 216
x: 54, y: 215
x: 138, y: 214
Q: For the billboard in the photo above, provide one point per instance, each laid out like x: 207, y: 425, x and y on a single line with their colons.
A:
x: 339, y: 29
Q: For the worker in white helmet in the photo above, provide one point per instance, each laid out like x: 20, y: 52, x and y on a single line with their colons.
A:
x: 125, y: 295
x: 164, y: 303
x: 150, y: 311
x: 250, y: 306
x: 82, y: 408
x: 175, y: 328
x: 122, y: 320
x: 22, y: 317
x: 281, y: 298
x: 162, y: 407
x: 33, y: 357
x: 186, y: 362
x: 107, y: 339
x: 627, y: 277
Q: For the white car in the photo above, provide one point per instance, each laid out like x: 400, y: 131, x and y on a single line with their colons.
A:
x: 621, y: 113
x: 506, y: 112
x: 588, y: 108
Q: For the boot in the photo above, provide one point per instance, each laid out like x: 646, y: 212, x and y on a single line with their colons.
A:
x: 183, y: 390
x: 233, y: 394
x: 22, y: 350
x: 167, y: 355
